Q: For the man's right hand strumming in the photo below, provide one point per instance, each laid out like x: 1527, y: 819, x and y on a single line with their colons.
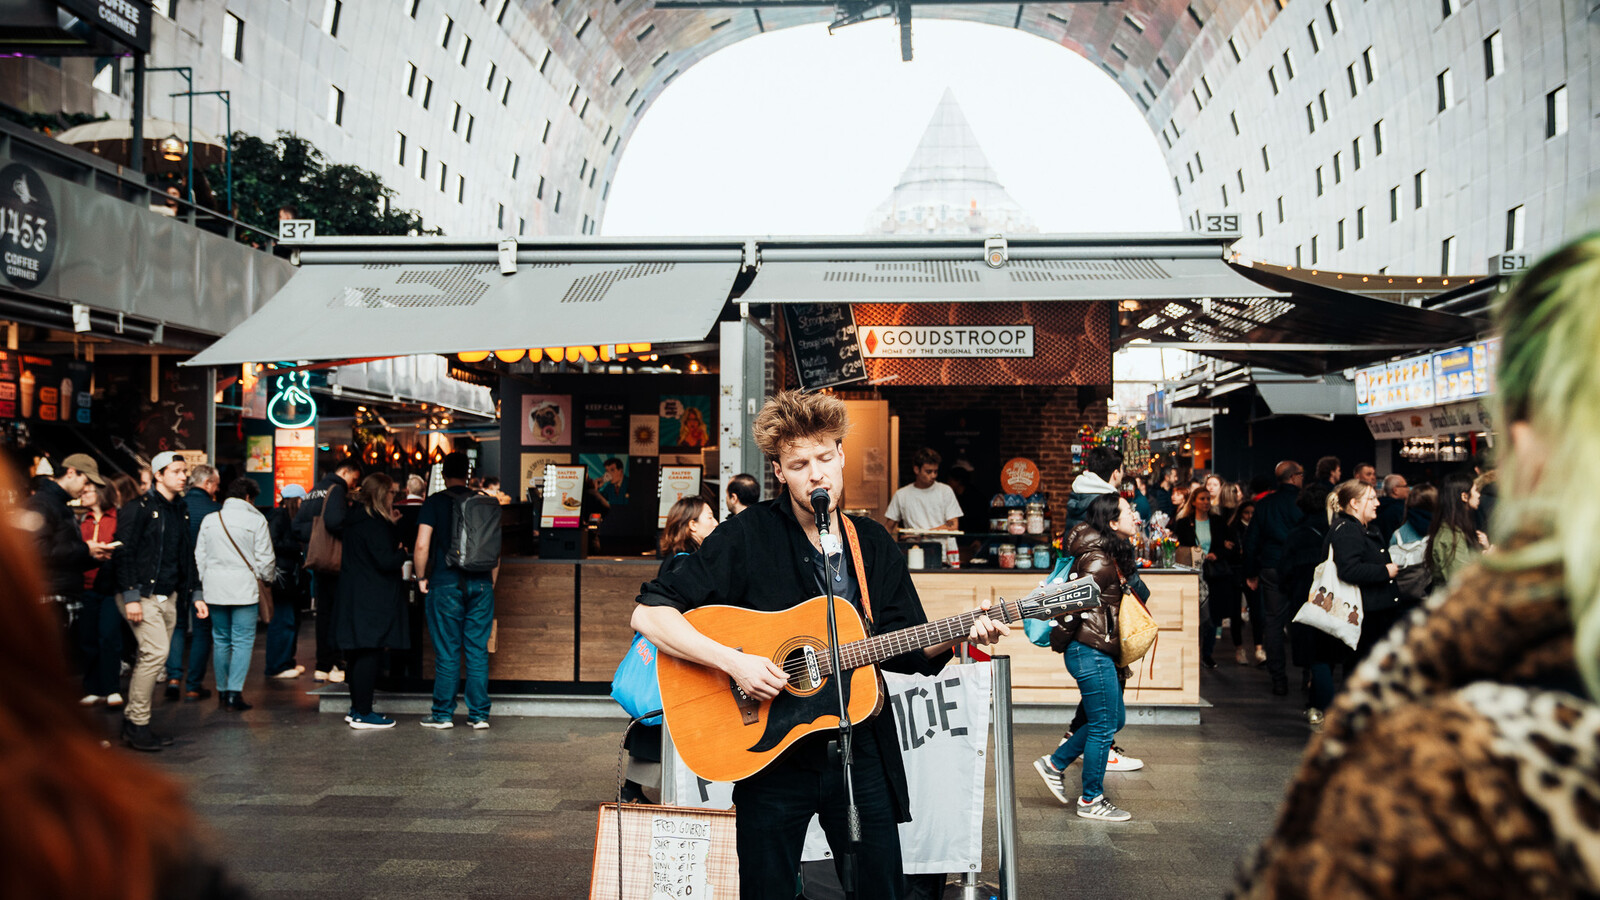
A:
x: 759, y: 677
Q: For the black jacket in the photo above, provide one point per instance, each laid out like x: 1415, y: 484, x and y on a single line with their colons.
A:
x: 60, y: 541
x: 142, y: 526
x: 1362, y: 558
x: 1268, y: 538
x: 371, y: 610
x: 1307, y: 548
x: 761, y: 560
x: 1391, y: 515
x: 333, y: 486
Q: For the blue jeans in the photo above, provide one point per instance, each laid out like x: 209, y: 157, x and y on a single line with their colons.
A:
x: 198, y: 640
x: 1096, y: 674
x: 234, y: 631
x: 283, y: 633
x: 460, y: 615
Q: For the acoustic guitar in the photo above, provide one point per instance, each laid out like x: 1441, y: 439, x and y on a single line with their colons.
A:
x: 724, y: 735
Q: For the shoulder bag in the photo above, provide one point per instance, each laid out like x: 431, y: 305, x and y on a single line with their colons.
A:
x: 263, y: 589
x: 1136, y: 629
x: 323, y: 551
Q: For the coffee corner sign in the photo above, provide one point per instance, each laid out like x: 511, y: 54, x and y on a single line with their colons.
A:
x: 27, y: 227
x: 944, y: 341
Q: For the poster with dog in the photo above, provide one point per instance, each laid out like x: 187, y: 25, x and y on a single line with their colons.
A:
x: 547, y: 420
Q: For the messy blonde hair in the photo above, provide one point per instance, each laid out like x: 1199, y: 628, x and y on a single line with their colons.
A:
x: 1549, y: 378
x: 797, y: 416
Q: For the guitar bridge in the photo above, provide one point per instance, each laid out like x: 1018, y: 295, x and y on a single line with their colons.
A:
x: 749, y: 707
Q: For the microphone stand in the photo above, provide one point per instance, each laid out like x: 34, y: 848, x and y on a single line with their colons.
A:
x: 846, y: 741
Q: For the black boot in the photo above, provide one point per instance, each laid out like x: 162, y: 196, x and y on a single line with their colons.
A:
x: 234, y: 700
x: 139, y: 737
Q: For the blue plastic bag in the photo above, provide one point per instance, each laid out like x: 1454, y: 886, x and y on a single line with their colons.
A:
x: 634, y: 686
x: 1038, y: 630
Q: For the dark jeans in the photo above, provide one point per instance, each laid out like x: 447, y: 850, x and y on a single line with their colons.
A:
x: 328, y: 653
x: 776, y: 805
x: 460, y: 616
x: 1275, y: 606
x: 99, y: 640
x: 1096, y: 674
x: 195, y: 644
x: 1252, y: 602
x: 283, y: 633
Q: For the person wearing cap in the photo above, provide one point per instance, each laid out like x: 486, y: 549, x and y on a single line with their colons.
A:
x: 155, y: 571
x: 62, y: 549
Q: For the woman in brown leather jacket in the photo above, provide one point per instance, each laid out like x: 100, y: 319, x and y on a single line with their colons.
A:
x: 1090, y: 644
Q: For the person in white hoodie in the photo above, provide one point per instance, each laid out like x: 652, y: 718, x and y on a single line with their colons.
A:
x: 1102, y: 474
x: 233, y: 554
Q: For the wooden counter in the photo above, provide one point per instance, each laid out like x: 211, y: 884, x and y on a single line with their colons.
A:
x: 1039, y: 675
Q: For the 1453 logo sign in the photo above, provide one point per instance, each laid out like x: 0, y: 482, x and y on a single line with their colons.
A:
x: 27, y: 223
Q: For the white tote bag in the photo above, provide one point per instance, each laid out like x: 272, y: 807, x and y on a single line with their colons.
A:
x: 1333, y: 606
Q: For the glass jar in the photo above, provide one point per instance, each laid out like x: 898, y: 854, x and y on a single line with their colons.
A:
x: 1041, y: 557
x: 1035, y: 518
x: 1008, y: 556
x: 1016, y: 523
x: 1025, y: 556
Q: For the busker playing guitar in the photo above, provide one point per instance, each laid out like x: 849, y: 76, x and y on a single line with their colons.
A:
x: 770, y: 558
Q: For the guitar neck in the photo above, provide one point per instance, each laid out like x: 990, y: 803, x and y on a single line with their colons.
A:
x: 874, y: 650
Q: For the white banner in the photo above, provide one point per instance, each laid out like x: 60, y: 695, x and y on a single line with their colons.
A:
x: 943, y: 724
x: 912, y: 341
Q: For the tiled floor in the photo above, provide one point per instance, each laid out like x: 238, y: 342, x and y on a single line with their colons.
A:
x: 300, y: 806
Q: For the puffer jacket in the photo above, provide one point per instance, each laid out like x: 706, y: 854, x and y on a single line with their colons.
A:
x: 1095, y: 627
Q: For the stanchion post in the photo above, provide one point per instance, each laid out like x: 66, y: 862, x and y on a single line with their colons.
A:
x: 1005, y: 783
x: 669, y: 768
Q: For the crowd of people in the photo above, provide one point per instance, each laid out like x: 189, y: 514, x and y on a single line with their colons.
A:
x: 157, y: 580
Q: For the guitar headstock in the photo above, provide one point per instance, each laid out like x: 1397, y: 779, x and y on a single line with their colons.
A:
x: 1052, y: 600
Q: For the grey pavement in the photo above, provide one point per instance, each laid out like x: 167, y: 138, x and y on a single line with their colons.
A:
x: 300, y: 806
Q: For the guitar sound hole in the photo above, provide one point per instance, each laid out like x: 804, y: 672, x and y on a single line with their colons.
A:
x: 807, y: 668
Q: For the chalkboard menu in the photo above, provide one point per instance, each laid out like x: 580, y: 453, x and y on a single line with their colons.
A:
x: 823, y: 338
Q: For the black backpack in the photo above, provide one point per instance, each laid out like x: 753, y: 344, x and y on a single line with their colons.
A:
x: 474, y: 532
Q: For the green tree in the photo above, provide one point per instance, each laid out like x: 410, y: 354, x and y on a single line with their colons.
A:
x: 290, y: 171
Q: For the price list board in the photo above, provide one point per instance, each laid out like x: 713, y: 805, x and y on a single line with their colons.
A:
x: 825, y: 346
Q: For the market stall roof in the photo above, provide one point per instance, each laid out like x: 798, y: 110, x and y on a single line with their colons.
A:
x: 927, y: 269
x: 1310, y: 329
x: 372, y: 298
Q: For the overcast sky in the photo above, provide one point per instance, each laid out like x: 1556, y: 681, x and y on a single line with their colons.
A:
x: 802, y: 132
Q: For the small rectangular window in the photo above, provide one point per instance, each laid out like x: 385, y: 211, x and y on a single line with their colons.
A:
x: 1316, y: 39
x: 471, y: 121
x: 1198, y: 164
x: 1322, y: 104
x: 500, y: 216
x: 1196, y: 17
x: 335, y: 105
x: 1377, y: 138
x: 1147, y: 88
x: 1448, y: 8
x: 1166, y: 137
x: 1334, y: 20
x: 1514, y: 223
x: 411, y: 79
x: 544, y: 61
x: 444, y: 176
x: 1133, y: 23
x: 1288, y: 63
x: 657, y: 61
x: 1261, y: 225
x: 455, y: 117
x: 1314, y: 241
x: 1311, y: 119
x: 1224, y: 195
x: 558, y: 202
x: 1233, y: 119
x: 1338, y: 169
x: 1161, y: 64
x: 461, y: 189
x: 1272, y: 76
x: 1190, y: 169
x: 1355, y: 83
x: 1339, y: 236
x: 1446, y: 90
x: 415, y: 5
x: 233, y: 36
x: 545, y: 137
x: 422, y: 163
x: 1355, y: 153
x: 1195, y: 93
x: 1394, y: 203
x: 505, y: 92
x: 605, y: 192
x: 167, y: 8
x: 447, y: 27
x: 583, y: 109
x: 522, y: 226
x: 331, y: 11
x: 1233, y: 46
x: 539, y: 192
x: 1555, y: 112
x: 582, y: 27
x: 1369, y: 65
x: 1319, y: 181
x: 1447, y: 256
x: 1266, y: 160
x: 427, y: 91
x: 516, y: 164
x: 617, y: 75
x: 488, y: 80
x: 400, y: 148
x: 1239, y: 174
x: 1361, y: 222
x: 500, y: 14
x: 583, y: 168
x: 1177, y: 185
x: 1205, y: 85
x: 648, y: 30
x: 1280, y: 210
x: 1121, y: 53
x: 1419, y: 186
x: 1299, y: 253
x: 466, y: 49
x: 1494, y: 55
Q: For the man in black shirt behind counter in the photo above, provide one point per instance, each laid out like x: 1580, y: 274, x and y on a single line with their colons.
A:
x: 769, y: 559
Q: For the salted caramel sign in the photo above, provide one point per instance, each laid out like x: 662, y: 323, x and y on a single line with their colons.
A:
x: 1019, y: 476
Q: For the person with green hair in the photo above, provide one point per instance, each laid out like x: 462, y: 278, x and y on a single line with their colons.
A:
x: 1463, y: 757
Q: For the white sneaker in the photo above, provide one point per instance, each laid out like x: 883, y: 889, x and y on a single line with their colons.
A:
x: 114, y: 700
x: 1261, y: 655
x: 1101, y: 808
x: 1121, y: 762
x: 90, y: 699
x: 1047, y: 770
x: 335, y: 675
x: 288, y: 673
x: 319, y: 676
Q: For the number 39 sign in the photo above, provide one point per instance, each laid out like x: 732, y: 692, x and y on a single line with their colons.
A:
x: 27, y: 227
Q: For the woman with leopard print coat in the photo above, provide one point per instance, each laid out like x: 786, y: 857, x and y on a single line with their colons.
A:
x: 1463, y: 758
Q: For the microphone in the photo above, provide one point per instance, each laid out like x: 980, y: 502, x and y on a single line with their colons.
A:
x: 819, y: 505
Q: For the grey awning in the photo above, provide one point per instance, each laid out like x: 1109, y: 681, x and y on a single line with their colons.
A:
x: 1039, y: 269
x: 1331, y: 396
x: 351, y: 310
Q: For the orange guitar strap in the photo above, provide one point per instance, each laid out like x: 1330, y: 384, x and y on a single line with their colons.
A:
x: 861, y: 567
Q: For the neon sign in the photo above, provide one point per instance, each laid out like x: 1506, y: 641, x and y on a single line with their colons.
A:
x: 291, y: 405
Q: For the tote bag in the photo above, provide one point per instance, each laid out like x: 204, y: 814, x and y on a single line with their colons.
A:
x: 1136, y: 630
x: 634, y: 686
x: 1333, y: 606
